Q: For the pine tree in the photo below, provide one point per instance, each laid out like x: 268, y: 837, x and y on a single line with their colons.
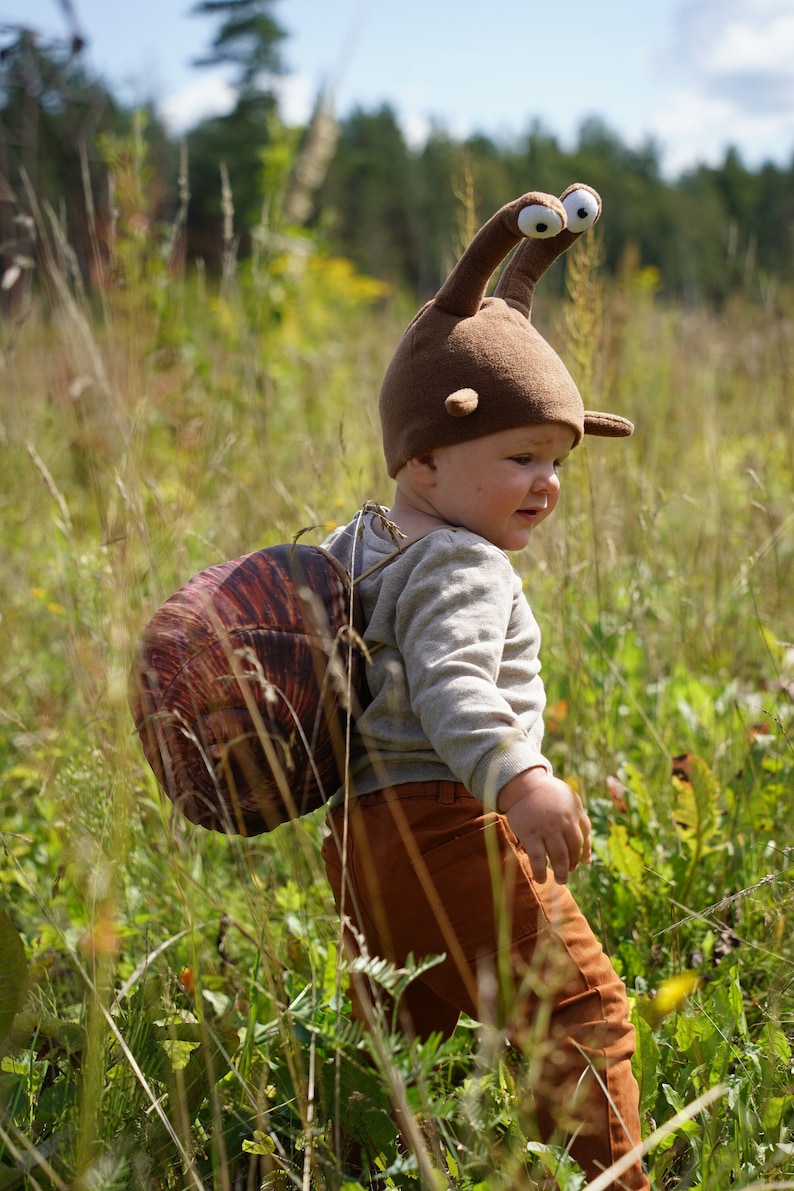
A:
x: 248, y: 39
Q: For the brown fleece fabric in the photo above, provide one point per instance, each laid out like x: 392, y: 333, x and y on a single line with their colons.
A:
x: 468, y: 365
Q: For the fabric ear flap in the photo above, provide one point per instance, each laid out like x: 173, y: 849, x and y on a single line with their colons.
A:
x: 604, y: 425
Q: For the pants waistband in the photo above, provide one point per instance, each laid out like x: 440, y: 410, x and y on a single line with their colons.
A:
x: 443, y: 790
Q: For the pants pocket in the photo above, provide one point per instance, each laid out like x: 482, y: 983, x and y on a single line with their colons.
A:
x: 483, y: 886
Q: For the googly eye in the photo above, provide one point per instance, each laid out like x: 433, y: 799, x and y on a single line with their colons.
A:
x: 581, y: 207
x: 539, y: 222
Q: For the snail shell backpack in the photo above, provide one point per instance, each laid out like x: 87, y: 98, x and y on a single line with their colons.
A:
x: 241, y: 685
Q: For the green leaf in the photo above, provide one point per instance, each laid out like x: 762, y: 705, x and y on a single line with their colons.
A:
x: 30, y: 1029
x: 14, y: 975
x: 560, y: 1165
x: 695, y: 808
x: 261, y: 1143
x: 10, y: 1178
x: 646, y: 1064
x: 207, y: 1064
x: 693, y: 1030
x: 394, y: 979
x: 53, y: 1104
x: 771, y: 1112
x: 357, y: 1099
x: 775, y: 1044
x: 623, y: 857
x: 189, y: 1086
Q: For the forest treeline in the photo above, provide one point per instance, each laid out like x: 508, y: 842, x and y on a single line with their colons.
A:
x: 356, y: 186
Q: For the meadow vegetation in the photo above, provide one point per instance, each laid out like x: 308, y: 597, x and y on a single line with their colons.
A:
x: 172, y: 1009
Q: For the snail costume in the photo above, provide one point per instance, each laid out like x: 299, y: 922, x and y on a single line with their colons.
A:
x: 247, y: 681
x: 243, y: 680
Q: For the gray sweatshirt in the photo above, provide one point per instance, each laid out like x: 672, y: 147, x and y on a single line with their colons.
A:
x: 454, y: 672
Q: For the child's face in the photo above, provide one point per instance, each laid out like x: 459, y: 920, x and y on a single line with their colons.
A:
x: 502, y: 485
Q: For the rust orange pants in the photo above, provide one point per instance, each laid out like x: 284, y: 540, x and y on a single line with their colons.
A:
x: 427, y: 871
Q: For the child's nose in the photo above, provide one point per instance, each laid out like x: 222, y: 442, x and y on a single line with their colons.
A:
x: 546, y: 480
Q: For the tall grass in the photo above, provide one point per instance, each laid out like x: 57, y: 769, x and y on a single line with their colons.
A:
x: 176, y: 1016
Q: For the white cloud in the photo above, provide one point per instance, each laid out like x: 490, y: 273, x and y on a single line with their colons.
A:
x: 747, y: 45
x: 698, y: 128
x: 296, y: 98
x: 727, y: 42
x: 208, y: 96
x: 415, y: 129
x: 731, y: 83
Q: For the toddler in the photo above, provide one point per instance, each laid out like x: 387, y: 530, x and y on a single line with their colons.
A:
x: 443, y: 835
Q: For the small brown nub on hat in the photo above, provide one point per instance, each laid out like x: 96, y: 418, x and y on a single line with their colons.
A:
x: 462, y: 402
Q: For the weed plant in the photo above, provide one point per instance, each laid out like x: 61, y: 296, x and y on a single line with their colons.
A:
x: 172, y: 1002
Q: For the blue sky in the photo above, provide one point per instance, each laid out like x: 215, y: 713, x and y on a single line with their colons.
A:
x: 694, y: 75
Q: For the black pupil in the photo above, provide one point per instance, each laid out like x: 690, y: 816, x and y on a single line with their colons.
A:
x: 542, y: 227
x: 582, y: 212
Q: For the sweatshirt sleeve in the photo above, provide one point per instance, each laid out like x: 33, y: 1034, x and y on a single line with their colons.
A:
x: 470, y: 647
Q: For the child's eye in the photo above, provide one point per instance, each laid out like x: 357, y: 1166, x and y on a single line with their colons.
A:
x: 522, y: 460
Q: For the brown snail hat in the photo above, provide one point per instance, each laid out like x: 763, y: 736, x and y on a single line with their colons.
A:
x: 468, y: 365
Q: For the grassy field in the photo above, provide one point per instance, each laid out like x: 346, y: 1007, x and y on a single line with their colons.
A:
x: 171, y: 1001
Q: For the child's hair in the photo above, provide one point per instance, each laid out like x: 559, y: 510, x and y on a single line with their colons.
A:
x: 468, y: 365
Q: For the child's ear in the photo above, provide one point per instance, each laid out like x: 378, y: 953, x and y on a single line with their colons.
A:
x: 422, y: 469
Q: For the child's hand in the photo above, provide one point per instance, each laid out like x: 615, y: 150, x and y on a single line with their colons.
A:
x: 548, y: 818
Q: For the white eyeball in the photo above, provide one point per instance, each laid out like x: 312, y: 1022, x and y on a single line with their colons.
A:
x: 581, y: 207
x: 539, y: 222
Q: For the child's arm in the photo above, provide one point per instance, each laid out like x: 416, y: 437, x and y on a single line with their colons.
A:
x: 468, y: 643
x: 548, y: 818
